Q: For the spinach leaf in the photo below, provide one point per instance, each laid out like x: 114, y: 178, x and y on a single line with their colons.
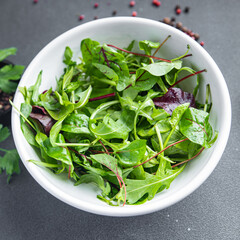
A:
x: 196, y: 127
x: 132, y: 154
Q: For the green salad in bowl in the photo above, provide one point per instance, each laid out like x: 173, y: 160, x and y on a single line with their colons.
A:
x: 119, y: 119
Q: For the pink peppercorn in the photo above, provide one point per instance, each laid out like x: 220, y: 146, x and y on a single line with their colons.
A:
x: 134, y: 13
x: 156, y: 3
x: 132, y: 3
x: 96, y: 5
x: 81, y: 17
x: 35, y: 1
x: 202, y: 43
x: 178, y: 11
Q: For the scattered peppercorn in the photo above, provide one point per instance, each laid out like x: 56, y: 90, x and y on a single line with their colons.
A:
x: 186, y: 9
x: 114, y: 12
x: 178, y: 11
x: 197, y: 36
x: 184, y: 29
x: 35, y: 1
x: 179, y: 25
x: 202, y: 43
x: 134, y: 13
x: 167, y: 20
x: 96, y: 5
x: 132, y: 3
x: 96, y: 17
x: 173, y: 19
x: 157, y: 3
x: 81, y: 17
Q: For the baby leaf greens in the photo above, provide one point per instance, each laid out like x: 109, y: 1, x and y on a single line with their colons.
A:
x: 118, y: 119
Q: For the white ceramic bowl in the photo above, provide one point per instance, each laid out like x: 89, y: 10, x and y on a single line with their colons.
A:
x: 121, y: 31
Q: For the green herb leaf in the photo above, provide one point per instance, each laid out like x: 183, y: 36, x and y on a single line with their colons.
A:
x: 4, y: 53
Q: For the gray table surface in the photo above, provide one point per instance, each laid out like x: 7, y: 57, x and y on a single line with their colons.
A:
x: 27, y: 211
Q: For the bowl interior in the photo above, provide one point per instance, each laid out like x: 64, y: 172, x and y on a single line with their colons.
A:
x: 121, y: 31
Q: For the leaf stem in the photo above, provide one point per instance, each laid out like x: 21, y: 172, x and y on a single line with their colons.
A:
x: 185, y: 139
x: 22, y: 115
x: 139, y: 54
x: 161, y: 44
x: 102, y: 97
x: 182, y: 56
x: 175, y: 165
x: 3, y: 150
x: 112, y: 83
x: 190, y: 75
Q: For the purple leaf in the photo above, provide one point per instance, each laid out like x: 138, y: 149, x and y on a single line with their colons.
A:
x: 173, y: 98
x: 40, y: 114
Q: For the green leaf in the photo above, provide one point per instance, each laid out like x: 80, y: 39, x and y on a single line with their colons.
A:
x: 196, y: 127
x: 97, y: 179
x: 53, y: 107
x: 145, y: 82
x: 35, y: 89
x: 107, y: 71
x: 68, y: 57
x: 58, y: 153
x: 109, y: 128
x: 136, y: 189
x: 76, y: 123
x: 84, y: 97
x: 132, y: 154
x: 88, y: 49
x: 4, y: 133
x: 147, y: 46
x: 160, y: 68
x: 4, y: 53
x: 10, y: 163
x: 27, y: 131
x: 109, y: 162
x: 9, y: 73
x: 67, y: 78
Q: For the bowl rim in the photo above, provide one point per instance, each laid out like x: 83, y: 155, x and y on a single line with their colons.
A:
x: 136, y: 209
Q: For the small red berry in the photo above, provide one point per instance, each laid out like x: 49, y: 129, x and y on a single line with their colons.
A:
x: 156, y: 3
x: 132, y: 3
x: 96, y: 5
x: 35, y: 1
x: 134, y: 13
x: 81, y: 17
x: 178, y: 11
x: 202, y: 43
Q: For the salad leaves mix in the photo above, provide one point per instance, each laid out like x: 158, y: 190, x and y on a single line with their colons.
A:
x: 118, y: 119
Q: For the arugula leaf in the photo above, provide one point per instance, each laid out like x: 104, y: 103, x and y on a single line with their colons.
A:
x: 136, y: 189
x: 97, y: 179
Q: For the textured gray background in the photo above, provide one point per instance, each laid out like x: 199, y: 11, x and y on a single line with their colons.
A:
x: 27, y: 211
